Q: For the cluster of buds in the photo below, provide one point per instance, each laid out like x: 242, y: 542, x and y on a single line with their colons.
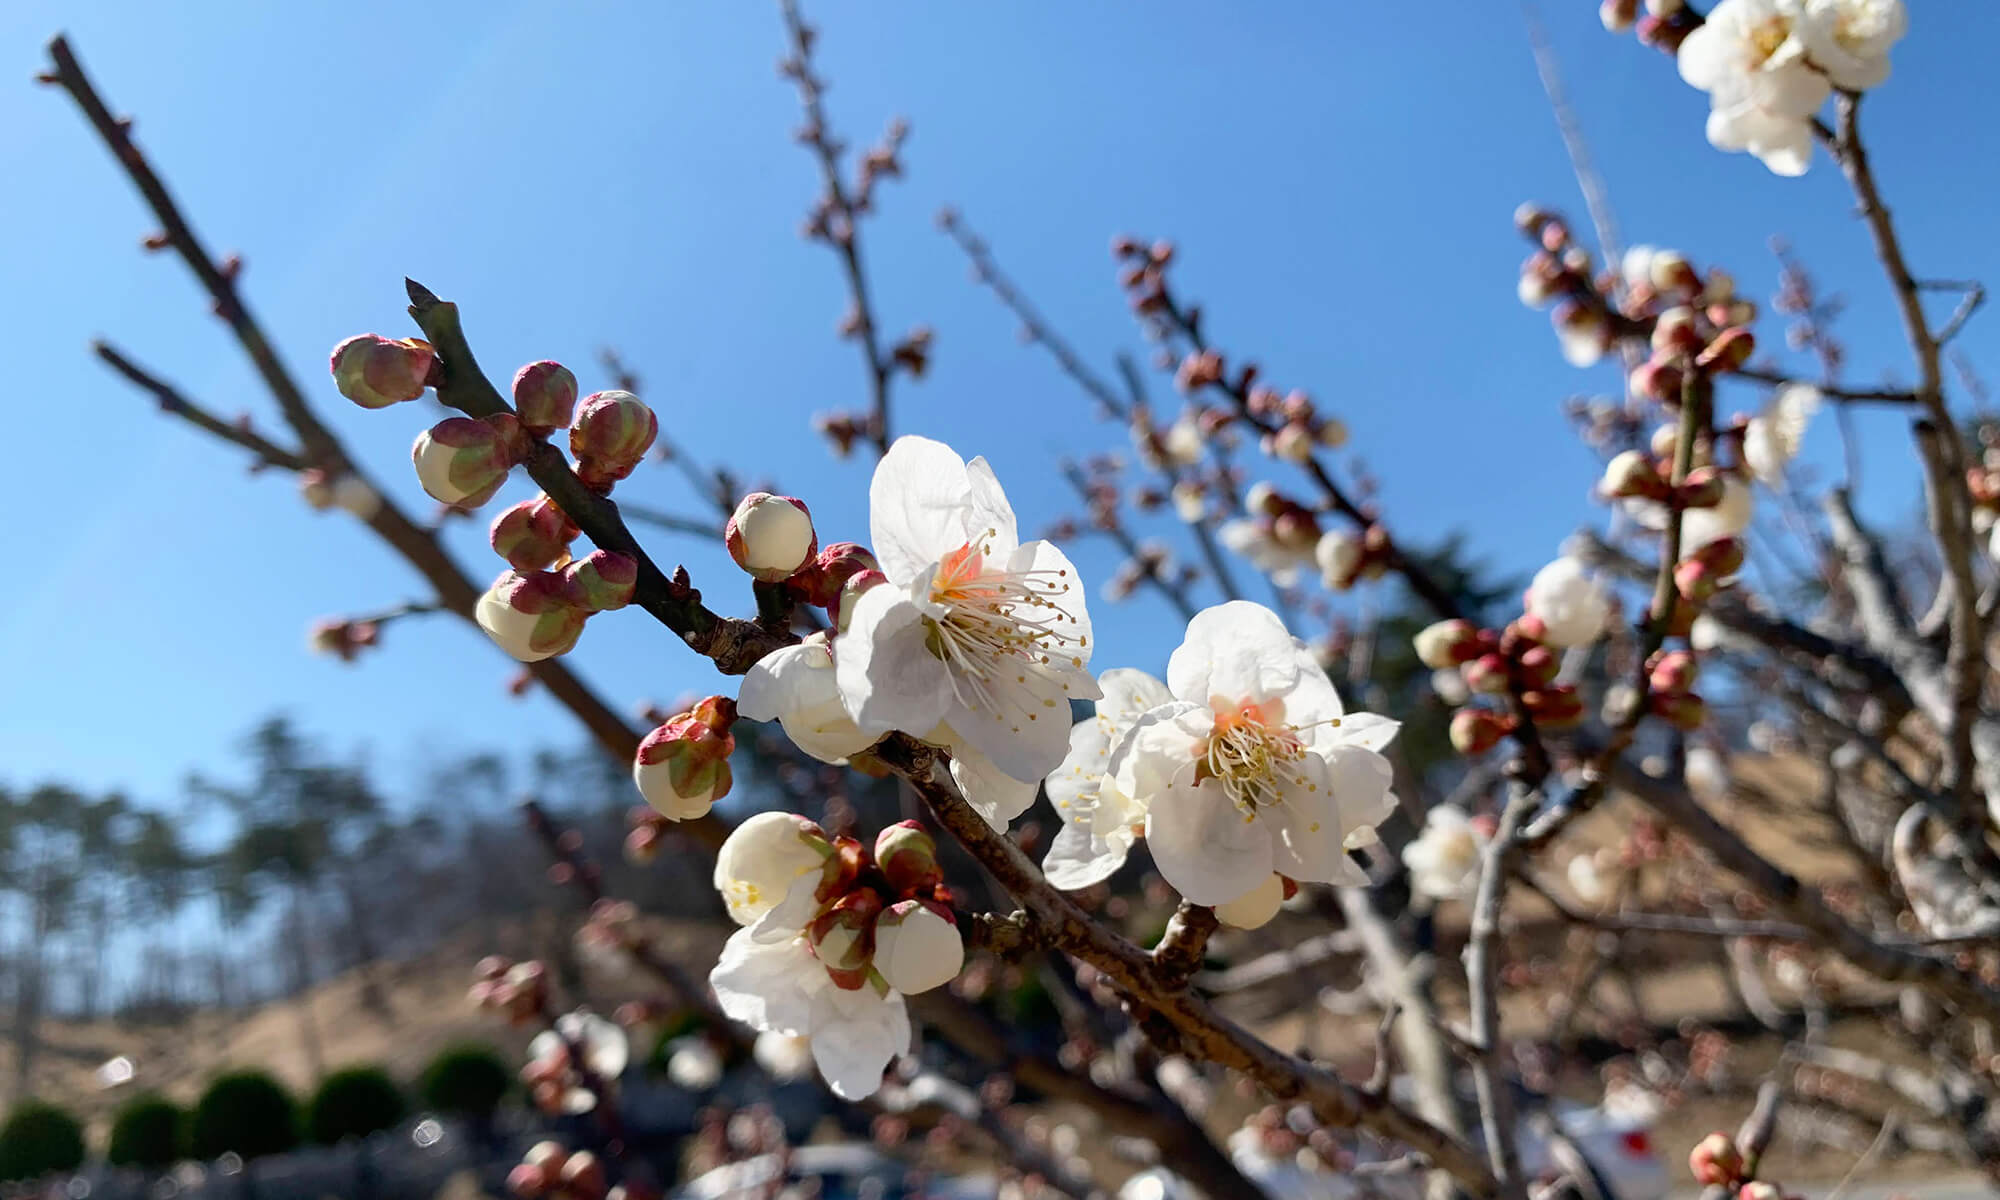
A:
x: 1691, y: 319
x: 376, y: 372
x: 343, y: 639
x: 1663, y: 25
x: 682, y: 767
x: 548, y: 1171
x: 517, y: 990
x: 1143, y: 275
x: 534, y: 535
x: 322, y: 490
x: 1669, y: 689
x: 536, y: 614
x: 1514, y: 661
x: 575, y: 1064
x: 1345, y: 559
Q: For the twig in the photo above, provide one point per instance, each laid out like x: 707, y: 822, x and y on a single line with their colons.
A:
x: 1482, y: 979
x: 1845, y: 395
x: 174, y: 404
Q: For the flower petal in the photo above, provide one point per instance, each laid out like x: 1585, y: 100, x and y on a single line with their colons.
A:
x: 887, y: 675
x: 1203, y: 846
x: 990, y: 518
x: 856, y: 1035
x: 994, y: 794
x: 918, y: 505
x: 1082, y: 853
x: 1304, y: 826
x: 765, y: 985
x: 1234, y: 651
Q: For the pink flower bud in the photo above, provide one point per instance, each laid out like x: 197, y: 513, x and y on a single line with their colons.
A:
x: 1669, y: 269
x: 1294, y: 442
x: 917, y: 946
x: 1724, y: 556
x: 1676, y: 333
x: 836, y: 565
x: 527, y: 1180
x: 544, y: 396
x: 1554, y: 708
x: 1477, y: 730
x: 1685, y: 711
x: 461, y: 461
x: 531, y: 615
x: 375, y: 372
x: 1701, y: 489
x: 851, y: 591
x: 843, y: 937
x: 316, y: 489
x: 1263, y: 499
x: 1487, y: 674
x: 1671, y: 673
x: 612, y: 433
x: 1715, y: 1160
x: 1446, y: 644
x: 582, y: 1176
x: 771, y: 537
x: 530, y: 535
x: 1632, y: 473
x: 1658, y: 378
x: 602, y: 580
x: 907, y: 854
x: 1730, y: 350
x: 1538, y: 666
x: 682, y: 767
x: 549, y: 1156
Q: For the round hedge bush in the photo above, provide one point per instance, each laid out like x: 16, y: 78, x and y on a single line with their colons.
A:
x: 39, y: 1139
x: 246, y: 1113
x: 353, y: 1103
x: 467, y: 1080
x: 146, y: 1133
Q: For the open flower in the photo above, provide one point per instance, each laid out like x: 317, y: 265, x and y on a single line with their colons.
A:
x: 1443, y: 860
x: 769, y: 872
x: 1254, y: 768
x: 1099, y: 822
x: 974, y: 628
x: 1570, y: 602
x: 1850, y: 39
x: 1773, y: 437
x: 1762, y: 89
x: 780, y: 987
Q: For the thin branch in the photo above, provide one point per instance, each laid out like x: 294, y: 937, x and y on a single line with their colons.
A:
x: 672, y: 523
x: 174, y: 404
x: 1845, y: 395
x: 1482, y: 980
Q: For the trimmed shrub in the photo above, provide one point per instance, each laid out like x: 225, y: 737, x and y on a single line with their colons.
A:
x: 146, y: 1133
x: 246, y: 1113
x: 39, y: 1139
x: 466, y: 1080
x: 353, y: 1103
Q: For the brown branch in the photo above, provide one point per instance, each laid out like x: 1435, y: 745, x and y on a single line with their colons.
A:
x: 1482, y: 980
x: 268, y: 453
x: 1845, y: 395
x: 1182, y: 948
x: 671, y: 522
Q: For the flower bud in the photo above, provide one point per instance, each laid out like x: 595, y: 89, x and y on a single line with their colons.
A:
x: 1684, y: 712
x: 1759, y: 1189
x: 917, y: 947
x: 1254, y: 908
x: 530, y: 615
x: 1446, y: 643
x: 530, y: 535
x: 1554, y: 708
x: 1583, y: 333
x: 1263, y: 499
x: 582, y: 1176
x: 1671, y: 673
x: 682, y: 767
x: 1730, y: 350
x: 1675, y: 332
x: 1486, y: 674
x: 1669, y: 269
x: 1701, y: 489
x: 375, y: 372
x: 1665, y: 8
x: 461, y: 461
x: 763, y: 857
x: 527, y: 1180
x: 1715, y: 1160
x: 1293, y: 442
x: 1338, y: 554
x: 316, y: 489
x: 612, y: 433
x: 851, y: 591
x: 907, y: 855
x: 836, y: 565
x: 771, y: 537
x: 352, y: 494
x: 544, y: 397
x: 843, y: 937
x: 602, y: 580
x: 1331, y: 432
x: 1658, y: 378
x: 1477, y: 730
x: 1631, y: 473
x: 1538, y: 666
x: 1618, y: 15
x: 1724, y: 556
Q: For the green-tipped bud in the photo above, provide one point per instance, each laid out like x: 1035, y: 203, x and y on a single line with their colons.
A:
x: 682, y: 767
x: 771, y: 537
x: 531, y: 616
x: 375, y: 372
x: 907, y: 855
x: 612, y: 432
x: 544, y: 396
x: 602, y: 580
x: 843, y: 936
x: 461, y: 461
x: 531, y: 535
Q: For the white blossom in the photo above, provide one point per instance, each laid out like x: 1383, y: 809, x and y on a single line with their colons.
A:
x: 916, y: 948
x: 1443, y: 859
x: 974, y: 628
x: 769, y: 870
x: 784, y: 1056
x: 1762, y: 90
x: 1254, y: 767
x: 1570, y: 601
x: 1255, y: 540
x: 1849, y: 39
x: 1728, y: 518
x: 1772, y: 439
x: 1099, y: 822
x: 780, y: 987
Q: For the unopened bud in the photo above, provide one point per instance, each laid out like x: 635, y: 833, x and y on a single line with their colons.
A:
x: 544, y: 396
x: 836, y: 565
x: 844, y: 938
x: 917, y: 946
x: 1669, y: 269
x: 583, y: 1176
x: 352, y: 494
x: 1684, y: 712
x: 1672, y: 672
x: 1618, y: 15
x: 530, y: 535
x: 1631, y: 473
x: 1338, y: 555
x: 1477, y: 730
x: 1675, y: 332
x: 530, y: 615
x: 612, y: 433
x: 375, y: 372
x: 602, y: 580
x: 1254, y: 908
x: 1486, y: 674
x: 1658, y: 378
x: 1554, y: 708
x: 1760, y: 1189
x: 1701, y: 489
x: 850, y: 592
x: 1538, y: 666
x: 1446, y: 643
x: 682, y: 767
x: 1730, y: 350
x: 1263, y: 499
x: 907, y: 854
x: 1715, y: 1160
x: 771, y: 537
x: 1293, y: 443
x: 461, y: 461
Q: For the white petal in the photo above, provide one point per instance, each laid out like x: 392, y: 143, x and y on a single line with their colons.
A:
x: 918, y: 505
x: 993, y: 793
x: 1203, y: 846
x: 1025, y: 733
x: 1234, y: 651
x: 1369, y: 731
x: 855, y: 1036
x: 766, y: 985
x: 1307, y: 841
x: 1086, y: 851
x: 991, y: 518
x: 798, y: 687
x: 1067, y: 614
x: 1361, y: 780
x: 887, y: 675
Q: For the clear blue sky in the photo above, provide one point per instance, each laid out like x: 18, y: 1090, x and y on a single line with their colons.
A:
x: 1339, y: 177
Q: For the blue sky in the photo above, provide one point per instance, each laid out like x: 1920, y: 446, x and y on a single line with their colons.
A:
x: 1339, y: 178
